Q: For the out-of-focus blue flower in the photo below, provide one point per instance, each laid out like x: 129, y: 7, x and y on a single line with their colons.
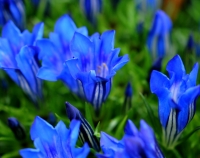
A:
x: 91, y: 9
x: 128, y: 97
x: 52, y: 119
x: 158, y: 40
x: 54, y: 142
x: 190, y: 42
x: 134, y: 144
x: 197, y: 49
x: 55, y: 51
x: 177, y: 95
x: 16, y: 128
x: 86, y: 132
x: 12, y: 10
x: 95, y: 63
x: 18, y: 57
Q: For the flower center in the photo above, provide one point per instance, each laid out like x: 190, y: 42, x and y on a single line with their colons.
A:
x: 102, y: 70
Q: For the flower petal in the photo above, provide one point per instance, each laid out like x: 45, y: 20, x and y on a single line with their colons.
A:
x: 33, y: 153
x: 176, y: 68
x: 65, y: 27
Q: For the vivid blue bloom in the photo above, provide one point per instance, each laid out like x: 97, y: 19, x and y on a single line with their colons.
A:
x: 94, y: 64
x: 18, y: 57
x: 55, y: 51
x: 58, y: 142
x: 134, y: 143
x: 91, y: 9
x: 86, y: 132
x: 158, y: 39
x: 12, y: 10
x: 177, y: 95
x: 16, y: 128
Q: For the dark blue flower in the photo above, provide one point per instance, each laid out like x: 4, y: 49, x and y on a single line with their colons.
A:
x: 17, y: 128
x: 55, y: 51
x: 134, y: 143
x: 95, y: 63
x: 190, y: 43
x: 18, y: 57
x: 12, y: 10
x: 55, y: 142
x: 158, y: 40
x: 128, y: 97
x: 91, y: 9
x: 86, y: 132
x: 177, y: 95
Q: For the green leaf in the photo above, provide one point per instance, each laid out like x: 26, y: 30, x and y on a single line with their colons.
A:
x: 153, y: 119
x: 96, y: 131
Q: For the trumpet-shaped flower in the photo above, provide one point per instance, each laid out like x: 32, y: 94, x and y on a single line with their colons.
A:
x: 94, y: 64
x: 56, y: 142
x: 158, y: 38
x: 55, y: 51
x: 18, y: 57
x: 12, y: 10
x: 134, y: 144
x: 177, y: 95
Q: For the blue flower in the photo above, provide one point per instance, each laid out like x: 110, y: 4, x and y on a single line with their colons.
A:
x: 158, y: 40
x: 128, y: 97
x: 55, y: 142
x: 55, y: 51
x: 12, y: 10
x: 134, y: 143
x: 95, y: 63
x: 18, y: 57
x: 190, y: 43
x: 91, y: 9
x: 177, y: 95
x: 16, y: 128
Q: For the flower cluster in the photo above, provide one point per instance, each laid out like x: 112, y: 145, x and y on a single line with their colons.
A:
x: 55, y: 142
x: 134, y: 143
x: 177, y: 96
x: 85, y: 64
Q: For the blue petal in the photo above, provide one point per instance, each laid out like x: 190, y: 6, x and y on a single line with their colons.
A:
x: 81, y: 152
x: 62, y: 131
x: 81, y: 46
x: 30, y: 153
x: 12, y: 73
x: 55, y: 39
x: 158, y: 81
x: 176, y: 68
x: 185, y: 101
x: 83, y: 30
x: 52, y: 64
x: 43, y: 130
x: 13, y: 34
x: 107, y: 141
x: 37, y: 32
x: 65, y: 27
x: 7, y: 58
x: 121, y: 62
x: 28, y: 66
x: 72, y: 66
x: 130, y: 129
x: 74, y: 132
x: 193, y: 76
x: 107, y: 41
